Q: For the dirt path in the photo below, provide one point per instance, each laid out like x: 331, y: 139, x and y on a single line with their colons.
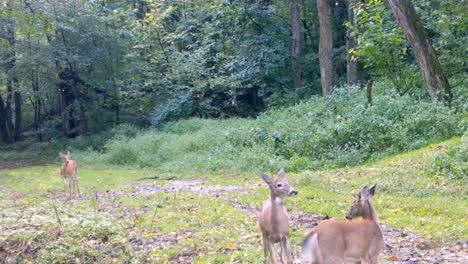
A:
x: 16, y: 164
x: 399, y: 247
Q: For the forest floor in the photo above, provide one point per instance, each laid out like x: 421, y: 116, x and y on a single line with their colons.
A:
x: 166, y: 220
x: 400, y: 247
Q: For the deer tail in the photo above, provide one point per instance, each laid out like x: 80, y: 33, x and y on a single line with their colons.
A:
x: 310, y: 250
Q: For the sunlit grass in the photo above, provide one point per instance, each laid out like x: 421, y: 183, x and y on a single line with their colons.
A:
x: 209, y: 229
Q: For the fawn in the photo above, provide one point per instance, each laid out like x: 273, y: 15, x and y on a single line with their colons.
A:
x: 339, y: 241
x: 69, y: 171
x: 274, y: 220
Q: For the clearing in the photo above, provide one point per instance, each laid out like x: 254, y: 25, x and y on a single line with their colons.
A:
x: 144, y: 216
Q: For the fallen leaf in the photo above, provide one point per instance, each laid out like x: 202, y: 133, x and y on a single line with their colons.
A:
x: 230, y: 246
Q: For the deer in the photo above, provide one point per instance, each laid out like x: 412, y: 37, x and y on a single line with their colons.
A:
x: 69, y: 171
x: 339, y: 241
x: 274, y: 219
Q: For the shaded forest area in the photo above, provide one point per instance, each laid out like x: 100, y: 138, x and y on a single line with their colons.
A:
x: 80, y: 68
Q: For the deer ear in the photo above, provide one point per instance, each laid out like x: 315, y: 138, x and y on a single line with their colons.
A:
x: 61, y: 154
x: 372, y: 191
x: 68, y: 153
x: 281, y: 174
x: 268, y: 180
x: 365, y: 193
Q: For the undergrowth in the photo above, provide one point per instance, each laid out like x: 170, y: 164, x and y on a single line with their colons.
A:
x: 320, y: 133
x: 316, y: 134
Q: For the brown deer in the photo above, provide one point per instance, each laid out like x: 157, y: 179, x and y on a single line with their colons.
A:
x: 69, y: 171
x: 339, y: 241
x: 274, y: 220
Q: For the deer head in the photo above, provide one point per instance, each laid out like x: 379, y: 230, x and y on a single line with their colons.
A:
x: 280, y: 186
x: 361, y: 207
x: 65, y: 157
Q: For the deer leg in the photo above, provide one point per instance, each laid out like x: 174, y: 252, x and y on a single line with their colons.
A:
x: 73, y: 185
x: 265, y: 247
x: 65, y: 183
x: 77, y: 186
x: 373, y: 260
x: 272, y: 253
x: 271, y: 249
x: 285, y: 252
x: 268, y: 248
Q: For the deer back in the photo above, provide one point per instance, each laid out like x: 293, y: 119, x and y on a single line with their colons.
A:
x: 346, y: 241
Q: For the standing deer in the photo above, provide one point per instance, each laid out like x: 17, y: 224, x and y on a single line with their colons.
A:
x: 274, y: 220
x: 339, y: 241
x: 69, y: 171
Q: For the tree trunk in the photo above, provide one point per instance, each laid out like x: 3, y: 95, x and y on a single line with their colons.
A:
x: 3, y: 123
x: 325, y: 48
x: 36, y: 105
x: 18, y: 119
x: 351, y: 65
x: 296, y: 44
x: 12, y: 82
x: 369, y: 92
x: 8, y: 112
x: 431, y: 70
x: 68, y: 82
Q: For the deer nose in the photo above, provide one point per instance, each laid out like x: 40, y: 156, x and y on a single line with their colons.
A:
x: 293, y: 193
x: 349, y: 217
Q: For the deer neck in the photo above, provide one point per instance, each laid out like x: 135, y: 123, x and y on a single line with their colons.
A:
x: 277, y: 210
x: 370, y: 214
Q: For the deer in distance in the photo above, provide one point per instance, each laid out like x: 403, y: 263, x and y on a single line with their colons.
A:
x: 274, y: 219
x: 339, y: 241
x: 69, y: 171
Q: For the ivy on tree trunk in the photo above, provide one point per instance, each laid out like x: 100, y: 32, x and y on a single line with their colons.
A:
x: 431, y: 70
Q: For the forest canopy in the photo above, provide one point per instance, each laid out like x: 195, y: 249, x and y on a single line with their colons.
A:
x: 79, y: 68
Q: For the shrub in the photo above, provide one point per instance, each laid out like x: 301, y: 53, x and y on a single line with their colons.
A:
x: 314, y: 134
x: 452, y: 163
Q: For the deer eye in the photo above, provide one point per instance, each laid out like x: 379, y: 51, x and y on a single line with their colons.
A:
x: 279, y: 184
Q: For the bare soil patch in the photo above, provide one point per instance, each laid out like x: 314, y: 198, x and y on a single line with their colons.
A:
x: 400, y: 247
x: 17, y: 164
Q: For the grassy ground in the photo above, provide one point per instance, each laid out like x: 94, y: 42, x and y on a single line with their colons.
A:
x: 130, y: 215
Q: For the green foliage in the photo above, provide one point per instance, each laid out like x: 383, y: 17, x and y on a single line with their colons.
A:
x: 452, y: 163
x: 446, y: 23
x: 319, y: 133
x: 384, y: 49
x: 212, y: 217
x: 176, y: 108
x: 147, y: 63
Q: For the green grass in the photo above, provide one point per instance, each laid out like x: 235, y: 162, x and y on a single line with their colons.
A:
x: 315, y: 134
x: 209, y: 229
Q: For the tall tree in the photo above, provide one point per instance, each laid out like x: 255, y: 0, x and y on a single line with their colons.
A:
x: 3, y: 123
x: 431, y: 69
x: 325, y: 47
x: 351, y: 62
x: 296, y: 44
x: 12, y: 83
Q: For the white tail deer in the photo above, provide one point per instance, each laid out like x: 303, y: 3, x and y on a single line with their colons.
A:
x: 274, y: 220
x: 69, y: 171
x: 339, y: 241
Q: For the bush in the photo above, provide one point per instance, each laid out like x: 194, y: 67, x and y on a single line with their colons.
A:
x: 120, y: 152
x: 453, y: 163
x: 315, y: 134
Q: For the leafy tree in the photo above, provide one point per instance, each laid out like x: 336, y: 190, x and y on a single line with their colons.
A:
x: 433, y: 74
